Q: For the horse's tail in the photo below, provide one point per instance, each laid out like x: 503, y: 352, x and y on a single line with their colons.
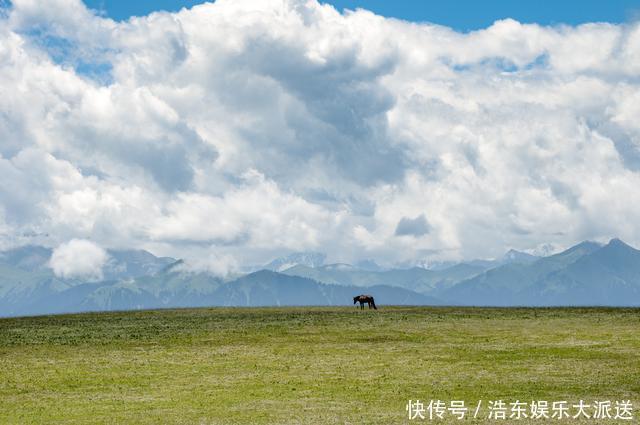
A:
x: 373, y: 303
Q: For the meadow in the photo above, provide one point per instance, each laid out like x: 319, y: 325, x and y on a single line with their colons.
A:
x: 311, y: 365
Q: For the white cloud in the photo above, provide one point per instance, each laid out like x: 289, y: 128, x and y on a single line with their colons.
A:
x: 240, y: 129
x: 216, y: 265
x: 78, y: 258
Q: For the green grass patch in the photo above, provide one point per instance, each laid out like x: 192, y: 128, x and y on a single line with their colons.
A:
x: 308, y: 365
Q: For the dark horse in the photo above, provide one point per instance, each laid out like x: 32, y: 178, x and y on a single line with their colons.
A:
x: 365, y: 299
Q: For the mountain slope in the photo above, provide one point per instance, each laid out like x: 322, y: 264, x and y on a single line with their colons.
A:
x: 415, y: 279
x: 504, y: 285
x: 27, y: 258
x: 127, y: 264
x: 265, y: 288
x: 177, y: 287
x: 586, y: 274
x: 607, y: 276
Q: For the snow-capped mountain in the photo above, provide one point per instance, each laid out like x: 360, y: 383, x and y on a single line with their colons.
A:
x: 309, y: 259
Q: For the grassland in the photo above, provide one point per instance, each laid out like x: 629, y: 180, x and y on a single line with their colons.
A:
x: 309, y: 365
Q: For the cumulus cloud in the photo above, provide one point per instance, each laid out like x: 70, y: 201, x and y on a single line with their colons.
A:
x: 78, y: 258
x: 241, y: 128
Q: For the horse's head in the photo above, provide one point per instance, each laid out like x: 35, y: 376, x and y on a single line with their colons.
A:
x: 355, y: 299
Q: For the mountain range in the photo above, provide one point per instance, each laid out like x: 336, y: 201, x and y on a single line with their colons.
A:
x: 586, y: 274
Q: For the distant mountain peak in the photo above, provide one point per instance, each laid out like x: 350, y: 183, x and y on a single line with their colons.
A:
x: 576, y: 251
x: 129, y: 263
x: 309, y: 259
x: 262, y: 273
x: 616, y: 242
x: 518, y: 256
x: 588, y: 244
x: 617, y: 246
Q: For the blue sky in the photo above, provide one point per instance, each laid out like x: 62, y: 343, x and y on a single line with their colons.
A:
x: 459, y: 14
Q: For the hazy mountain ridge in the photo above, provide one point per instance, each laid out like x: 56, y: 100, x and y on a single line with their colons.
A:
x: 265, y: 288
x: 586, y: 274
x: 607, y: 276
x: 120, y: 264
x: 310, y: 259
x: 415, y: 279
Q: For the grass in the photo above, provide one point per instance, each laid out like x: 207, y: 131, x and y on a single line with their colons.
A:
x: 309, y: 365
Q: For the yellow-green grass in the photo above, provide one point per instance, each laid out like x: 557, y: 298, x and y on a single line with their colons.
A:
x: 309, y: 365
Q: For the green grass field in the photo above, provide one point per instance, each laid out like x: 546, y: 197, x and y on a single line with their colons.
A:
x: 310, y: 365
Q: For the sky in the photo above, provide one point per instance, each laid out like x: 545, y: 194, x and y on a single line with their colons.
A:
x: 230, y: 133
x: 462, y: 15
